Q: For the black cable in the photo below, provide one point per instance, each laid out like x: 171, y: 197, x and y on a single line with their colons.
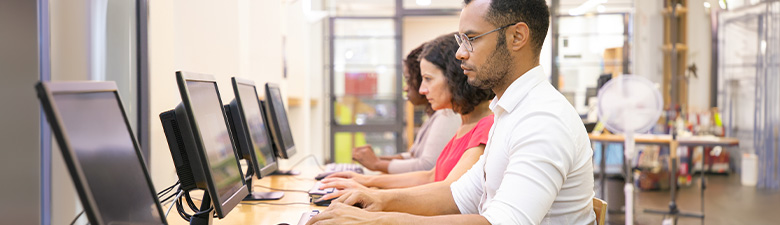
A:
x: 279, y: 189
x: 192, y: 205
x: 160, y: 195
x: 168, y: 189
x: 77, y: 217
x: 183, y: 213
x: 169, y: 197
x: 180, y: 209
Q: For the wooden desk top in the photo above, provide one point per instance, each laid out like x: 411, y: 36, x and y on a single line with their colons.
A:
x: 249, y: 212
x: 665, y: 139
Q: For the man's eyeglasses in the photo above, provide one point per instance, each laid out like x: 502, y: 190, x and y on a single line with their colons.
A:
x: 462, y: 39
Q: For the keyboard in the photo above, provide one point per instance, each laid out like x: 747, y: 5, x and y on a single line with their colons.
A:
x: 338, y: 167
x: 306, y: 216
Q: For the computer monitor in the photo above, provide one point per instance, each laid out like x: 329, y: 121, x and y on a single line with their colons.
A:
x: 277, y: 118
x: 253, y: 142
x: 101, y: 152
x: 201, y: 144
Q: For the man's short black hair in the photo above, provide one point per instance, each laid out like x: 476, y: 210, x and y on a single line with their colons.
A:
x: 465, y: 97
x: 535, y: 13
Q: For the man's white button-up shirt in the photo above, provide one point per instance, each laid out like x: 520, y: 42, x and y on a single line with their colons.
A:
x: 537, y: 166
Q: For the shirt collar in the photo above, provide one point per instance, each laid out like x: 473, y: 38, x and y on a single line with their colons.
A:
x: 517, y: 91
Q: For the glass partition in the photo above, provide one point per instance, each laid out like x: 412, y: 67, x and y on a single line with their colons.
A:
x: 365, y: 82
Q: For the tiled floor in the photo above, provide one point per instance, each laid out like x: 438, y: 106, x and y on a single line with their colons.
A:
x: 727, y: 202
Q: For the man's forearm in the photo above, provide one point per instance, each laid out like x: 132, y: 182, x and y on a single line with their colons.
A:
x: 426, y: 200
x: 399, y: 180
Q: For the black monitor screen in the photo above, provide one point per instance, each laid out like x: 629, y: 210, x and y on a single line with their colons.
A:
x: 281, y: 117
x: 217, y: 145
x: 104, y: 149
x: 258, y: 132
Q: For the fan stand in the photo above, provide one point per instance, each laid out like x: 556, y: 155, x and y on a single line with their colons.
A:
x: 673, y: 211
x: 628, y: 188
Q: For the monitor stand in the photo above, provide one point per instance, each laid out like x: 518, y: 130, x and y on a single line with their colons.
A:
x: 264, y: 196
x: 285, y: 172
x: 259, y: 195
x: 204, y: 218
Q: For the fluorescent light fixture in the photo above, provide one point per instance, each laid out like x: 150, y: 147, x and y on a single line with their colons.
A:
x: 585, y: 7
x: 601, y: 8
x: 707, y: 5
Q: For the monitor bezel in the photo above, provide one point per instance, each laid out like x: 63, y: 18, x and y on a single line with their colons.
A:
x: 280, y: 146
x: 269, y: 168
x: 223, y: 207
x: 46, y: 92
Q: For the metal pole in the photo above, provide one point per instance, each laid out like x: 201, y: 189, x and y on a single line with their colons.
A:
x: 44, y: 68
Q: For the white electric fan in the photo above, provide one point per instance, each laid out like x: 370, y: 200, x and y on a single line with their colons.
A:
x: 629, y: 104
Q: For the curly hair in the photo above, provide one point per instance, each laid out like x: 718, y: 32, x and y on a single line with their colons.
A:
x: 535, y: 13
x: 412, y: 65
x: 465, y: 97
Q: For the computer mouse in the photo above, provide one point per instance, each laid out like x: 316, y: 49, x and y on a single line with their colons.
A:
x: 322, y: 202
x: 323, y: 175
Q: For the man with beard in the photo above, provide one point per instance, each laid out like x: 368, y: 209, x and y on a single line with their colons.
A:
x: 536, y: 168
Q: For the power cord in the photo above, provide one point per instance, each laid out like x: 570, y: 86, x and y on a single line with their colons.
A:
x: 168, y: 189
x: 178, y: 194
x: 183, y: 213
x: 77, y: 217
x: 309, y: 156
x: 170, y: 197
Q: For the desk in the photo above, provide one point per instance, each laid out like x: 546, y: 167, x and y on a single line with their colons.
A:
x: 666, y: 139
x: 657, y: 140
x: 269, y: 214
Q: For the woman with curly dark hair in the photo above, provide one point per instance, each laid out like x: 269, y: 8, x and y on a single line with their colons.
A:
x: 445, y: 86
x: 431, y: 137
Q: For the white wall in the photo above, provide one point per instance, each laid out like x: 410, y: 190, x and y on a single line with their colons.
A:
x: 225, y: 39
x: 418, y: 30
x: 304, y: 50
x: 70, y: 61
x: 648, y: 39
x: 700, y: 53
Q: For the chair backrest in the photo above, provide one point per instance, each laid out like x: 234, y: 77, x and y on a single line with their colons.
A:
x: 600, y: 208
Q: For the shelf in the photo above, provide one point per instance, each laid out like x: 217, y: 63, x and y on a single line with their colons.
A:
x: 295, y: 102
x: 680, y: 47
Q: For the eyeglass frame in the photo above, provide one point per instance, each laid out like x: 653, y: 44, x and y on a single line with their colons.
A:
x: 461, y: 38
